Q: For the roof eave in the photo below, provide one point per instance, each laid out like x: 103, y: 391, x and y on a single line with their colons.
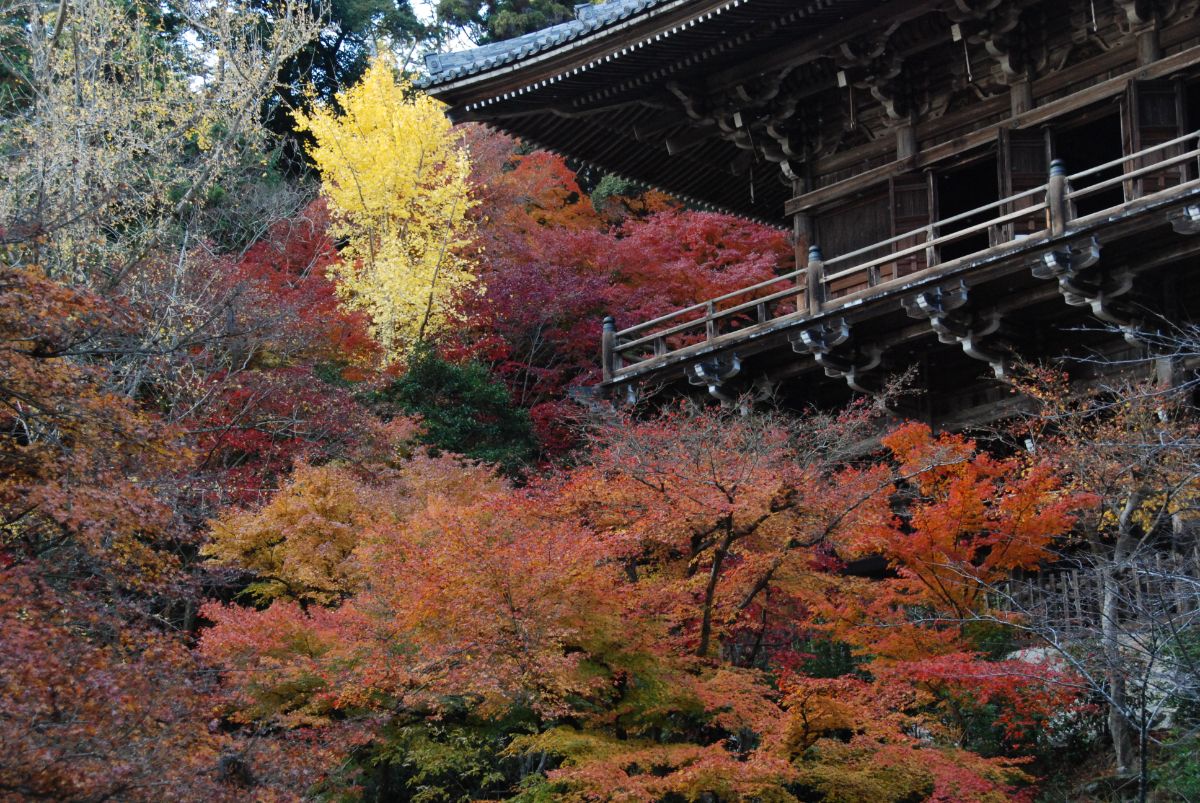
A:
x: 574, y: 55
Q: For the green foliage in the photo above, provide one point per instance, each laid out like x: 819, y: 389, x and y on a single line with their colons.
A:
x: 464, y: 410
x: 612, y: 185
x: 332, y: 373
x: 828, y: 658
x: 535, y: 789
x: 503, y: 19
x: 14, y: 68
x: 441, y: 762
x: 1179, y: 757
x: 993, y: 639
x: 836, y: 773
x: 1178, y: 777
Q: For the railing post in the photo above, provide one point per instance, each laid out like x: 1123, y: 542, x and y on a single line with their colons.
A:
x: 1056, y: 197
x: 815, y: 280
x: 710, y: 323
x: 608, y: 348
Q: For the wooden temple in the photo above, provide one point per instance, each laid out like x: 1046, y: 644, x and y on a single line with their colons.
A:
x: 967, y: 181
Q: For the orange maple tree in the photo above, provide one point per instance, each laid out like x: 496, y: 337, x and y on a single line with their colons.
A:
x: 648, y: 611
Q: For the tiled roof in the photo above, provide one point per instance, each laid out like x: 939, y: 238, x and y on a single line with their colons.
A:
x: 589, y: 17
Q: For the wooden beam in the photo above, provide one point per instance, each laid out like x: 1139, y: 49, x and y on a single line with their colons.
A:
x: 689, y: 139
x: 819, y: 44
x: 648, y: 130
x: 848, y: 189
x: 741, y: 163
x: 1049, y: 84
x: 1113, y: 87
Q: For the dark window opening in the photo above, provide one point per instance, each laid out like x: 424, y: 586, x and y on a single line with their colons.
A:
x: 1087, y: 146
x: 1192, y: 107
x: 1154, y: 116
x: 962, y: 190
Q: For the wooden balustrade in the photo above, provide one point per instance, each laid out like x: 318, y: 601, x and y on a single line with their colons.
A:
x: 1155, y: 583
x: 828, y: 282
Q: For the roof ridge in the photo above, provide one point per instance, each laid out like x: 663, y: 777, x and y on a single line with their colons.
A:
x: 589, y: 17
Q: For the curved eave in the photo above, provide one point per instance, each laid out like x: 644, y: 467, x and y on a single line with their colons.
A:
x: 593, y: 98
x: 512, y: 78
x: 689, y: 200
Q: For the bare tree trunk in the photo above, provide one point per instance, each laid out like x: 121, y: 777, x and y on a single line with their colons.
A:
x: 710, y: 592
x: 1143, y: 759
x: 1118, y: 722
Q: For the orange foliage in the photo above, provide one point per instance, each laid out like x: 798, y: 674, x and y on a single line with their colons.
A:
x: 973, y: 519
x: 646, y: 609
x: 451, y: 580
x: 76, y: 460
x: 304, y: 543
x: 967, y: 520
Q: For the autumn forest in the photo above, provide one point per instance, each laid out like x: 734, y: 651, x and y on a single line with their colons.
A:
x: 306, y: 491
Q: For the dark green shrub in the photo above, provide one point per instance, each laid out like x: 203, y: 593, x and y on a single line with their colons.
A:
x: 465, y: 410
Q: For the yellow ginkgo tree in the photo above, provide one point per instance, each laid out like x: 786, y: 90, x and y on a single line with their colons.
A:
x: 396, y: 179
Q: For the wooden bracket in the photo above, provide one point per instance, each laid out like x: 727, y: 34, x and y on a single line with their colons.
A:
x: 1082, y: 285
x: 714, y: 374
x: 1186, y: 220
x: 1018, y: 49
x: 827, y: 343
x: 949, y: 317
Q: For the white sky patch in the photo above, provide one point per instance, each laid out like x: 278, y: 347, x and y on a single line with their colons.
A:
x: 426, y: 11
x: 412, y: 58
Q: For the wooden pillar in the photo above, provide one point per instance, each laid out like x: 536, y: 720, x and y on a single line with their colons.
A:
x: 1020, y: 95
x: 1171, y: 375
x: 802, y: 233
x: 906, y: 140
x: 802, y: 240
x: 815, y: 280
x: 608, y: 348
x: 1166, y: 372
x: 1056, y: 197
x: 1168, y: 368
x: 1148, y: 47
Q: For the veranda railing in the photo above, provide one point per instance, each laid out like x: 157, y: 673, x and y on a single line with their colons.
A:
x: 825, y: 284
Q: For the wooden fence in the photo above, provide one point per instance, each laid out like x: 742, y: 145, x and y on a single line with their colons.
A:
x: 1157, y: 584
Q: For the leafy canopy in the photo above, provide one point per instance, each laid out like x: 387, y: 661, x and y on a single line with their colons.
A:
x: 642, y: 619
x: 503, y: 19
x: 396, y: 181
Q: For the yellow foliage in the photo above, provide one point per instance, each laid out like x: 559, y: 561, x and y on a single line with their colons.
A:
x: 396, y: 180
x: 817, y: 717
x: 315, y: 539
x: 842, y: 774
x: 302, y: 542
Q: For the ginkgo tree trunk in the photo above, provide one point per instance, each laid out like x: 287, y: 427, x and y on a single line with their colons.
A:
x: 396, y: 178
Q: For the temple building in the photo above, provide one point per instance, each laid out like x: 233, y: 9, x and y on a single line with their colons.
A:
x: 968, y: 182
